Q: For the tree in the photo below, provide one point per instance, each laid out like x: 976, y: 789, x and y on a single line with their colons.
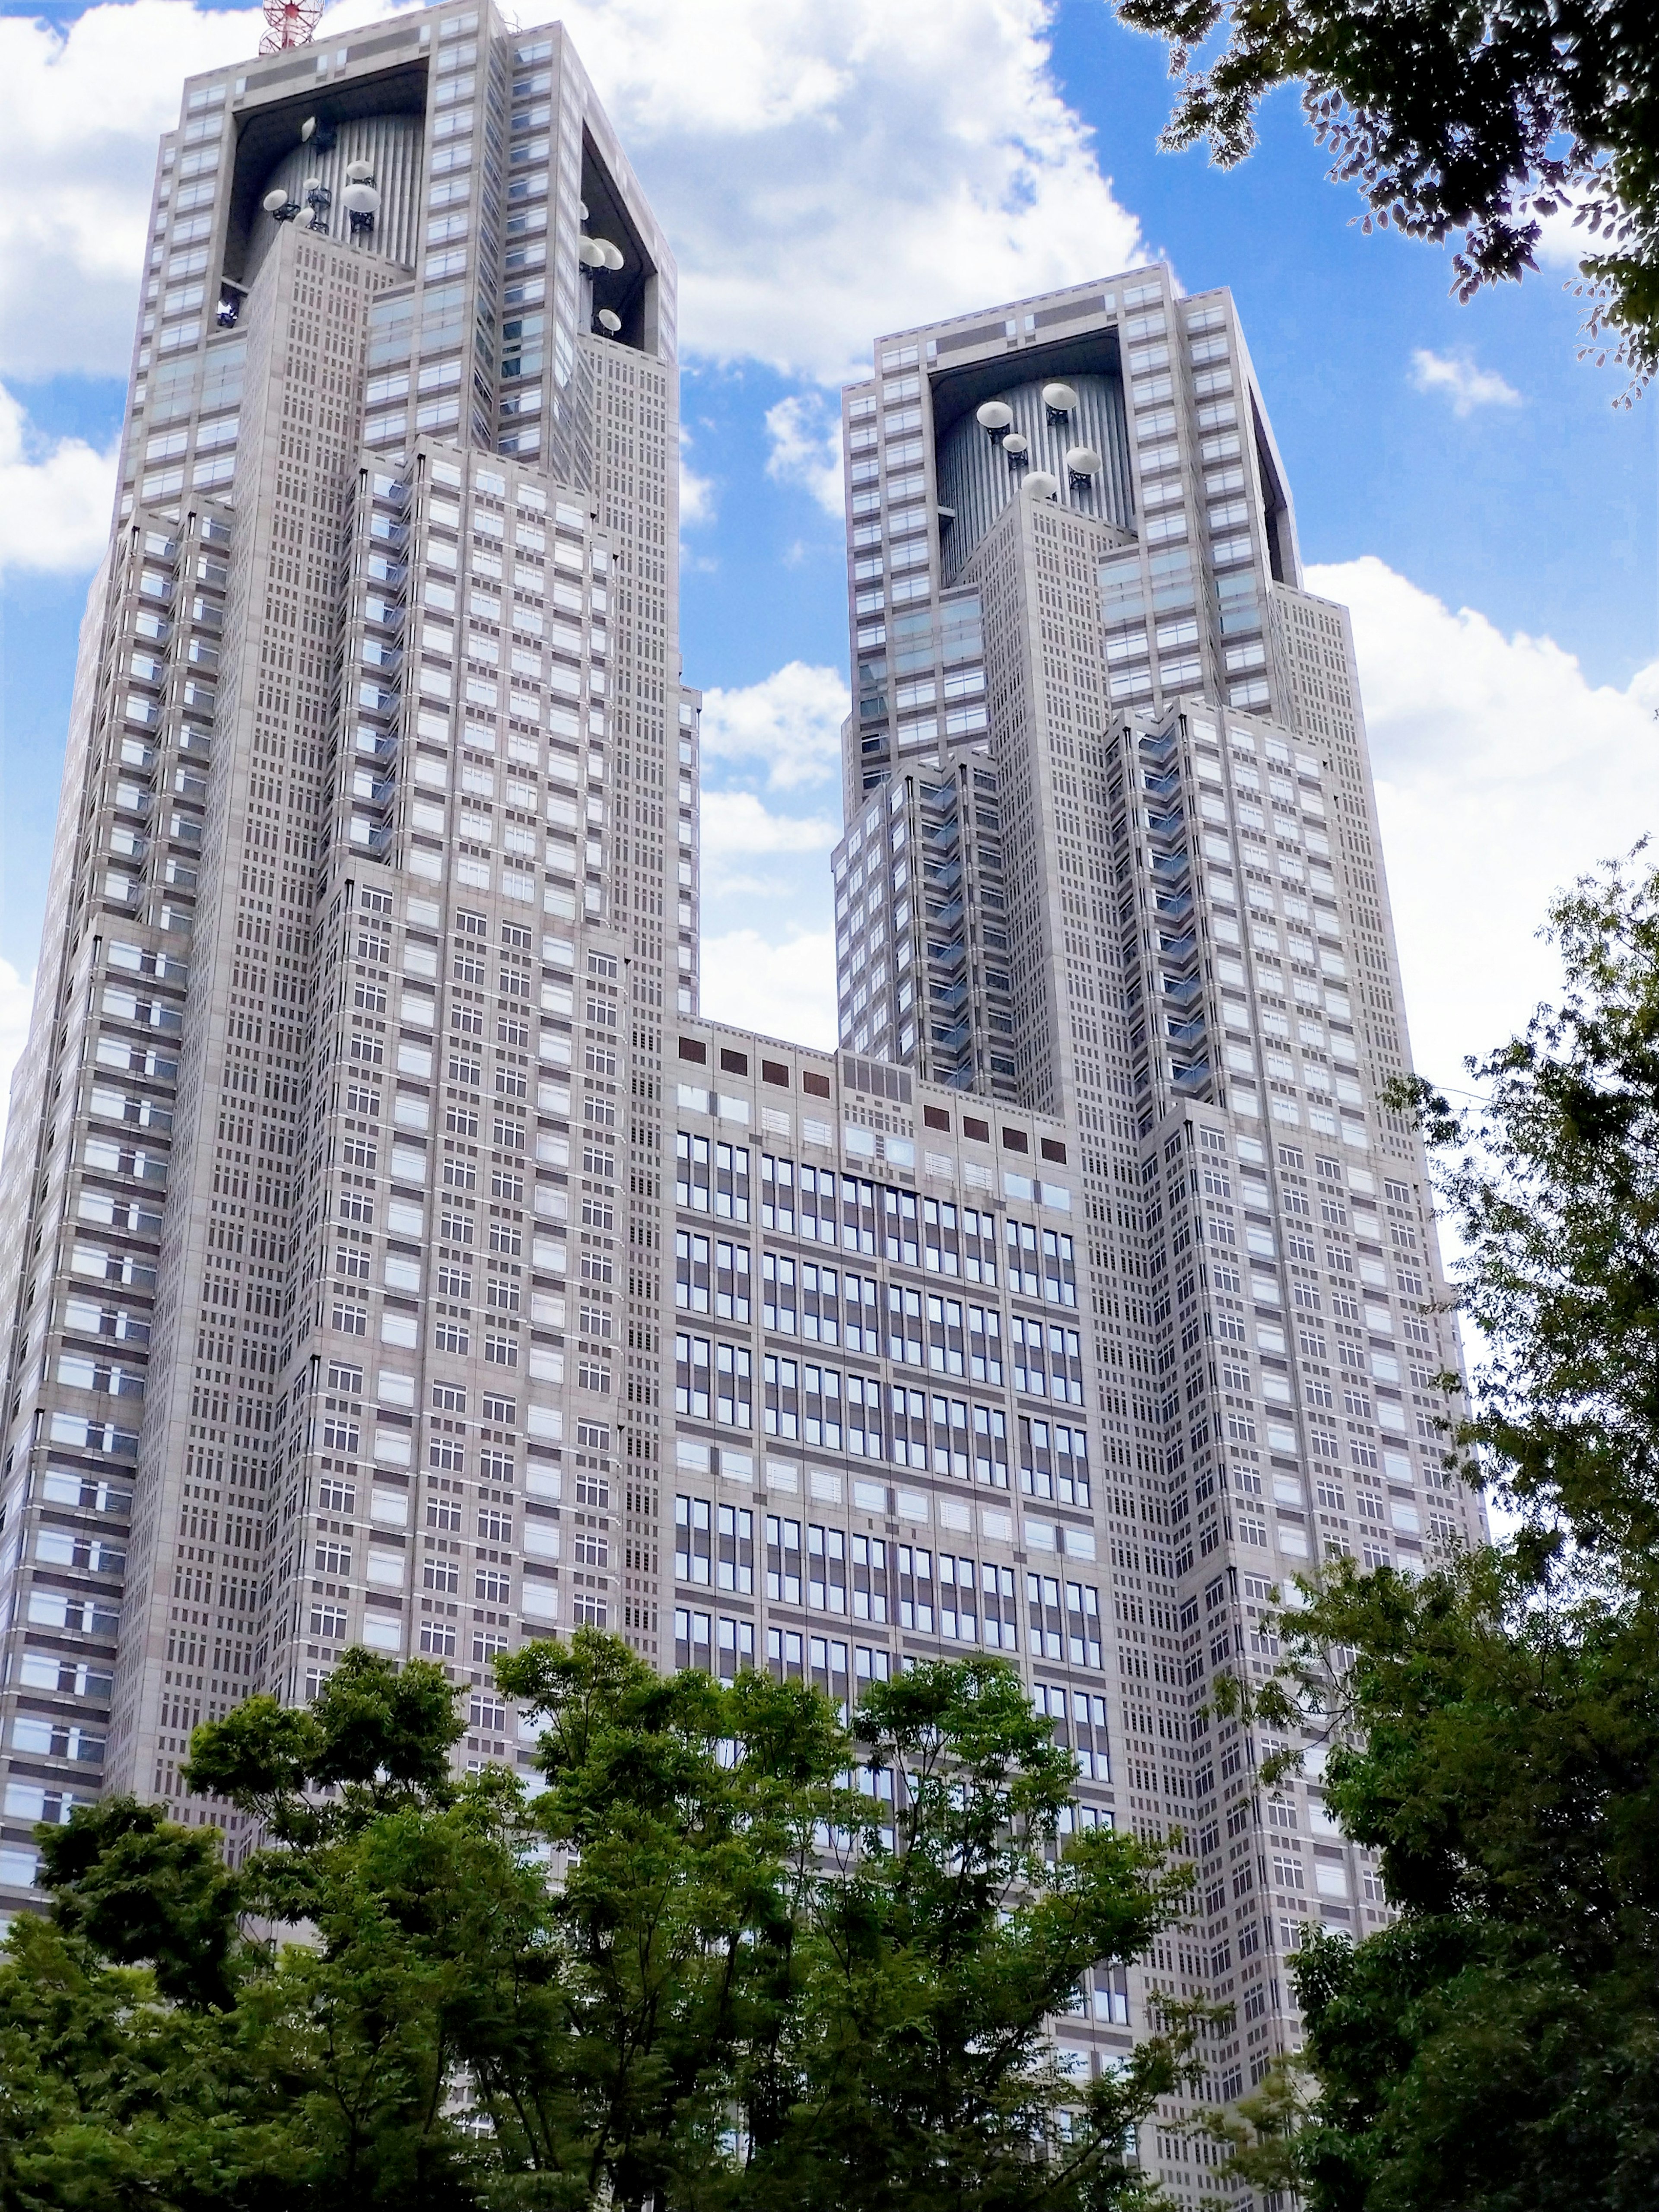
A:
x: 933, y: 1955
x: 1494, y: 1725
x: 732, y: 1954
x: 219, y: 2074
x: 1554, y: 1182
x: 683, y: 1812
x: 139, y: 1889
x: 1498, y: 2045
x: 1485, y: 119
x: 849, y: 1944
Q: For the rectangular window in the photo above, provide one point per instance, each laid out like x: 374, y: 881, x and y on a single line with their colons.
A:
x: 693, y: 1545
x: 783, y: 1559
x: 692, y: 1372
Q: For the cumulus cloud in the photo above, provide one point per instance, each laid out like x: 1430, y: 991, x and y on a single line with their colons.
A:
x: 825, y: 173
x: 696, y: 492
x: 829, y: 173
x: 789, y: 723
x: 1503, y: 773
x: 737, y: 821
x: 17, y: 996
x: 86, y: 106
x: 696, y: 499
x: 782, y: 988
x: 805, y: 431
x: 55, y: 498
x: 1467, y: 386
x: 741, y: 834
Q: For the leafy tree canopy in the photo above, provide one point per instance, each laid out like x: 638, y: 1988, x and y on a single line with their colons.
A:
x: 731, y: 1954
x: 1480, y: 117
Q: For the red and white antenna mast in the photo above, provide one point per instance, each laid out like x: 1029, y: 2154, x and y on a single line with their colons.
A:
x: 289, y: 24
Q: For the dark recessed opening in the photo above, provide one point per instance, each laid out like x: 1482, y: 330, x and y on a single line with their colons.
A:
x: 266, y: 135
x: 957, y: 392
x: 624, y: 291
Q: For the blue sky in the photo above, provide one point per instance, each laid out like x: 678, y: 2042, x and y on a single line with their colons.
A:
x: 1460, y: 477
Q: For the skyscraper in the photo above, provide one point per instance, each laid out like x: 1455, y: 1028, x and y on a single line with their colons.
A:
x: 363, y: 920
x: 393, y: 1254
x: 1076, y: 610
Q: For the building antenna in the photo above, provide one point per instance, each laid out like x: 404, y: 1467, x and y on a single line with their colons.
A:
x: 289, y: 24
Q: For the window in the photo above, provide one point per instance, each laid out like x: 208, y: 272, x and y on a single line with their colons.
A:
x: 1111, y: 1994
x: 693, y: 1540
x: 691, y: 1374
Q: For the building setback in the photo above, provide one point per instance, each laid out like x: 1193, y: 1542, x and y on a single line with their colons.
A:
x: 392, y: 1254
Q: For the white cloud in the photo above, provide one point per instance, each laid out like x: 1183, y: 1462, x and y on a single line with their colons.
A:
x: 84, y: 109
x: 737, y: 821
x: 1467, y: 386
x: 696, y: 499
x: 1563, y: 243
x: 1502, y: 775
x: 825, y: 173
x: 16, y: 997
x: 783, y: 989
x: 805, y: 434
x: 790, y: 722
x: 696, y: 492
x: 741, y: 834
x: 55, y: 500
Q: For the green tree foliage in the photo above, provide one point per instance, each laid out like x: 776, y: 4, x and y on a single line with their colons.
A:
x: 730, y: 1955
x: 1494, y: 1725
x: 376, y: 1737
x: 139, y: 1889
x: 1554, y: 1182
x: 1483, y: 119
x: 930, y: 1957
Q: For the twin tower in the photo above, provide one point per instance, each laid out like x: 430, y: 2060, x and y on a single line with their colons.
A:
x: 391, y: 1253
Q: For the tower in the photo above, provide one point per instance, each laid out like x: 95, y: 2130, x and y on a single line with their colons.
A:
x: 1075, y: 606
x: 318, y: 1309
